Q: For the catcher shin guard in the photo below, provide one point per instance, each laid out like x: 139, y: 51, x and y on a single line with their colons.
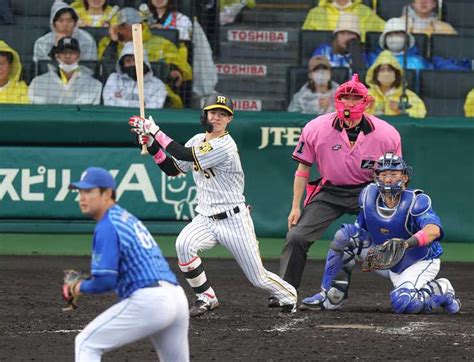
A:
x: 196, y: 276
x: 440, y: 293
x: 407, y: 299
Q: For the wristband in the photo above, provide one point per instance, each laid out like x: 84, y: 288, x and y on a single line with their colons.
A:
x: 422, y: 238
x: 304, y: 174
x: 159, y: 157
x: 163, y: 139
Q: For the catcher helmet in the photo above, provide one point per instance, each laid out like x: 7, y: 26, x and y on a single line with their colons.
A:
x: 391, y: 162
x: 216, y: 102
x: 351, y: 114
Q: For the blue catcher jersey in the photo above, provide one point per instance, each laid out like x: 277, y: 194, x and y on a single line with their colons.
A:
x: 122, y: 246
x: 412, y: 214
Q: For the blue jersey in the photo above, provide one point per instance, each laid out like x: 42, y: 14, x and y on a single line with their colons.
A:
x: 124, y: 248
x: 412, y: 214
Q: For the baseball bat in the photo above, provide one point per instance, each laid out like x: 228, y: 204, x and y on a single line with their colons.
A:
x: 138, y: 52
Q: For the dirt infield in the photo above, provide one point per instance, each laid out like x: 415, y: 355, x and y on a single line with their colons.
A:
x: 33, y: 327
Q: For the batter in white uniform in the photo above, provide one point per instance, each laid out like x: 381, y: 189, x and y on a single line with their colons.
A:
x: 223, y: 217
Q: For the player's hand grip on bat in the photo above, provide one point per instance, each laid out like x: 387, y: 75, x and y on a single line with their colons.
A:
x: 148, y: 140
x: 143, y: 125
x: 70, y: 292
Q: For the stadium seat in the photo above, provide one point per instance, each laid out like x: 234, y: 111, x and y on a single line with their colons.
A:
x: 28, y: 70
x: 309, y: 40
x: 32, y: 8
x: 171, y: 34
x: 107, y: 69
x: 22, y: 39
x: 298, y: 75
x: 97, y: 33
x: 390, y: 9
x: 452, y: 46
x: 459, y: 13
x: 422, y: 41
x: 444, y: 91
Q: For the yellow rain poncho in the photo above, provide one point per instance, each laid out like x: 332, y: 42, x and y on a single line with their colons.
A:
x: 16, y: 90
x: 381, y: 105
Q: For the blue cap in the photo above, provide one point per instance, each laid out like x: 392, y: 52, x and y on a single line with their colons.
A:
x: 94, y: 177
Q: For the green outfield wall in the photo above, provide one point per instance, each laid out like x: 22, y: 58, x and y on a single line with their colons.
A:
x: 44, y: 148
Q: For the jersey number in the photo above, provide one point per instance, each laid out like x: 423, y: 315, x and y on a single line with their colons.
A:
x: 207, y: 173
x: 143, y: 235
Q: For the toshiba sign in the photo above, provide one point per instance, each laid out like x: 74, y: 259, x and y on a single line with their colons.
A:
x: 257, y: 36
x: 248, y: 104
x: 255, y: 70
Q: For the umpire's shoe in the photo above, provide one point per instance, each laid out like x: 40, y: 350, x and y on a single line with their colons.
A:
x: 203, y: 305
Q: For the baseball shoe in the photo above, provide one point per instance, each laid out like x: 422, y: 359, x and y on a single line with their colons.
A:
x: 203, y: 305
x: 288, y: 309
x: 314, y: 302
x: 273, y: 302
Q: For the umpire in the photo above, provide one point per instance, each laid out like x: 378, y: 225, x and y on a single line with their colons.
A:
x: 344, y: 146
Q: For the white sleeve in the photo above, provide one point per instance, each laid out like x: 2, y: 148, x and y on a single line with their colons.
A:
x: 155, y: 93
x: 114, y: 95
x: 212, y: 153
x: 185, y: 27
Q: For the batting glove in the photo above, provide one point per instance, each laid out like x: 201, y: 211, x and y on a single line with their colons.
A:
x: 149, y: 141
x: 143, y: 125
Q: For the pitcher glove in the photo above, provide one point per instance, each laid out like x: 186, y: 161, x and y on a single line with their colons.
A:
x: 143, y: 125
x: 385, y: 256
x: 71, y: 278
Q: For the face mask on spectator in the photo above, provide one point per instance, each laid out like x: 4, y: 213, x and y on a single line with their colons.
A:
x: 68, y: 68
x: 131, y: 72
x: 386, y: 77
x: 321, y: 77
x: 395, y: 43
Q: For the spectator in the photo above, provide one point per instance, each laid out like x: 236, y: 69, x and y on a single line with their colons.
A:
x: 158, y: 48
x: 345, y: 50
x: 393, y: 38
x: 385, y: 79
x: 469, y: 105
x: 162, y: 14
x: 326, y: 16
x: 425, y: 20
x: 121, y: 88
x: 69, y: 83
x: 12, y: 89
x: 6, y: 12
x: 316, y: 96
x: 64, y: 24
x: 95, y: 13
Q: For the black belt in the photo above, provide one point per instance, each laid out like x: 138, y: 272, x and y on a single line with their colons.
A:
x: 225, y: 215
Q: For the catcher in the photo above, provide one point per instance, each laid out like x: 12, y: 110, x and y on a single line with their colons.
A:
x: 397, y: 235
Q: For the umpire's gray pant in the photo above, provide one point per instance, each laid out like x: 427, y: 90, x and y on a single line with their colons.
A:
x: 329, y: 204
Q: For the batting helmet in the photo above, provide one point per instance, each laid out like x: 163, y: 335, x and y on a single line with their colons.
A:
x: 216, y: 102
x: 352, y: 87
x: 391, y: 162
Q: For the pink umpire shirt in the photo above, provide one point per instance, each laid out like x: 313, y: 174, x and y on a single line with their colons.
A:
x: 325, y: 144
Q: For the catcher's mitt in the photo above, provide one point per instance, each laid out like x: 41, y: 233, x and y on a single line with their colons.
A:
x: 71, y: 278
x: 385, y: 256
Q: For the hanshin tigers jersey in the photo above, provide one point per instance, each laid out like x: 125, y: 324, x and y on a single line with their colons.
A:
x: 217, y: 173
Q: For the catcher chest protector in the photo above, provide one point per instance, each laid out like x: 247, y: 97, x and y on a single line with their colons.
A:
x: 382, y: 228
x: 216, y: 102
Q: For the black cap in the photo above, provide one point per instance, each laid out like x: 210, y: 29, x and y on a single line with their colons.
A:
x: 67, y: 43
x: 219, y: 102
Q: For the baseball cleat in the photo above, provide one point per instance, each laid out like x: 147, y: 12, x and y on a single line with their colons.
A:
x: 288, y: 309
x: 202, y: 306
x: 314, y: 302
x: 273, y: 302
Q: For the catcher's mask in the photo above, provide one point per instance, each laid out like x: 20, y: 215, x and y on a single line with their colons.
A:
x: 391, y: 162
x: 349, y: 115
x: 216, y: 102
